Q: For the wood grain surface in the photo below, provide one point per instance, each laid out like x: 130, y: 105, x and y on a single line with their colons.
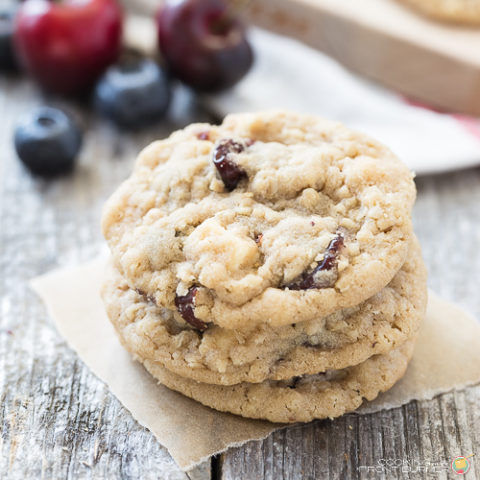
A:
x: 58, y: 421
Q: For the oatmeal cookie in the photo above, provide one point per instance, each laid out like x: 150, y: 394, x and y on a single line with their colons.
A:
x: 226, y: 356
x: 270, y: 218
x: 457, y: 11
x: 300, y: 399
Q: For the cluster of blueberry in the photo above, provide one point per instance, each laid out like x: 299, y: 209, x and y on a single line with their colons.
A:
x: 75, y: 48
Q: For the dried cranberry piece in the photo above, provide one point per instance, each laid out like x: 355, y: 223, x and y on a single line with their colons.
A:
x: 149, y: 298
x: 205, y: 135
x: 308, y: 280
x: 229, y: 171
x: 186, y: 307
x: 294, y: 381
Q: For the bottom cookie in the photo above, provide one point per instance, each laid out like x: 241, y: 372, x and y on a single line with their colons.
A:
x: 300, y: 399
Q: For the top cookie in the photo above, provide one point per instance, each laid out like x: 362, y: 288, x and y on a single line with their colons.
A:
x: 270, y: 217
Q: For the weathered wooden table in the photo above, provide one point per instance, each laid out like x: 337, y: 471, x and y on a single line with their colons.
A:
x: 59, y: 421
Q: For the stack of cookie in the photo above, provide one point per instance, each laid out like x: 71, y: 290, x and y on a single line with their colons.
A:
x: 267, y: 266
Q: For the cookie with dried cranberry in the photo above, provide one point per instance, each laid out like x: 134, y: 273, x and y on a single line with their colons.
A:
x: 269, y: 218
x: 224, y: 356
x: 457, y: 11
x: 300, y: 399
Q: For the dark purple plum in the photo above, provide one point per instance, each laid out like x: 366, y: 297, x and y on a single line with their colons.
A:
x: 203, y: 45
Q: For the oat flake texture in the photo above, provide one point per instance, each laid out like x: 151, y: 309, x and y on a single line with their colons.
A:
x: 226, y: 357
x: 174, y: 225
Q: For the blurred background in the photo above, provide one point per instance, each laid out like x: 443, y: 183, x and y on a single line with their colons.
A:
x: 119, y: 76
x: 86, y: 84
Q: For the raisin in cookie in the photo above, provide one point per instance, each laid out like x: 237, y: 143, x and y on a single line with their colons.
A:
x: 270, y: 218
x: 460, y: 11
x: 300, y: 399
x: 224, y: 356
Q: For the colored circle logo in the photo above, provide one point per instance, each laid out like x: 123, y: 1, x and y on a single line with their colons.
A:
x: 460, y: 465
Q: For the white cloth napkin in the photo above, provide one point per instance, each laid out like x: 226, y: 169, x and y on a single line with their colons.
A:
x: 290, y: 75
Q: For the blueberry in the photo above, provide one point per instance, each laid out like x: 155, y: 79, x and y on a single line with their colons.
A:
x: 133, y: 94
x: 47, y: 141
x: 7, y: 57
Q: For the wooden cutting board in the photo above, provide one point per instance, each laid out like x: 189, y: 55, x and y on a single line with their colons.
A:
x: 433, y: 62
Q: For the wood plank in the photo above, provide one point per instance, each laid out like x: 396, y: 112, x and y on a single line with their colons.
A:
x: 418, y: 440
x: 386, y: 41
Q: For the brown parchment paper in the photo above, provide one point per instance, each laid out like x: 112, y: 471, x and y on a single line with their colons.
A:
x: 447, y: 357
